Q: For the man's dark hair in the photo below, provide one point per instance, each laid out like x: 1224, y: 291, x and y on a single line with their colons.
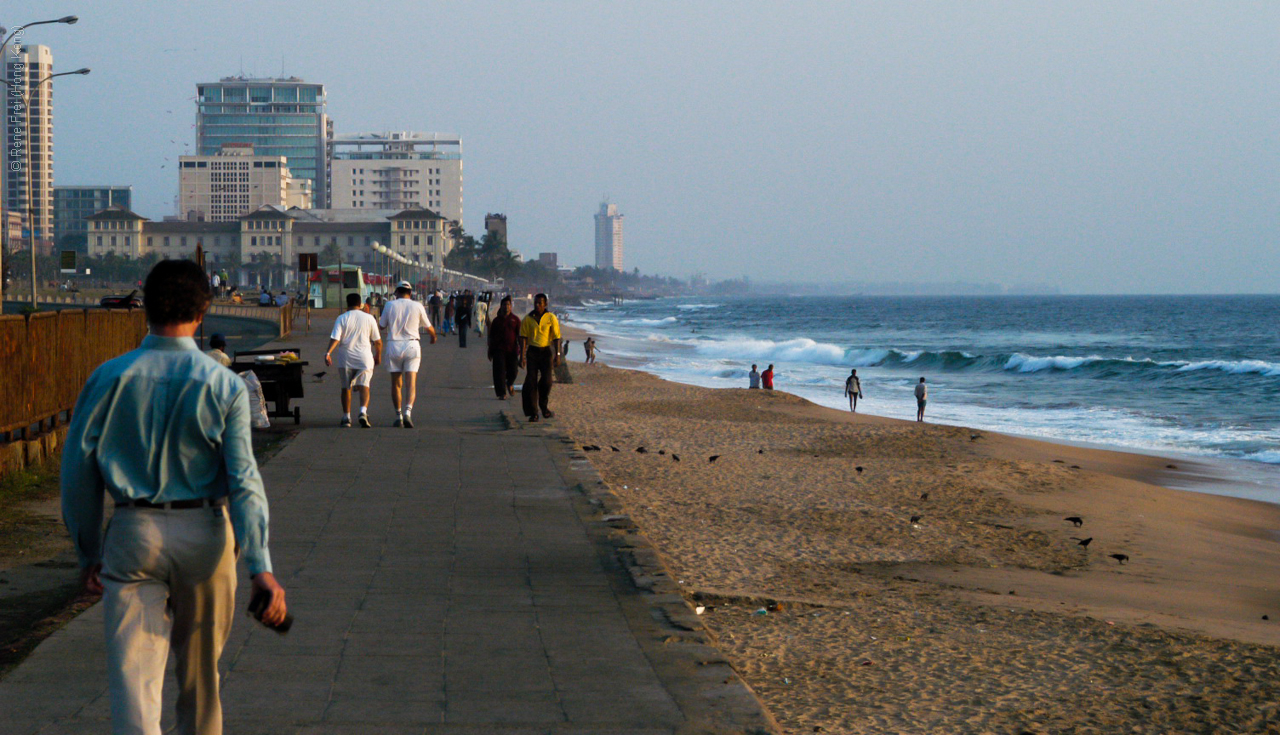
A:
x: 353, y: 300
x: 176, y: 291
x: 542, y: 296
x: 402, y: 290
x: 217, y: 341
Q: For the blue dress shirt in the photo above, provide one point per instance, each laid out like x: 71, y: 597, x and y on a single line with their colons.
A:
x: 164, y: 422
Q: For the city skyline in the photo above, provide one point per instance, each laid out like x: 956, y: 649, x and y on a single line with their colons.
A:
x: 1076, y: 146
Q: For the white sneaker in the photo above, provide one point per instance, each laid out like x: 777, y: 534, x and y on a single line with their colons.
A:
x: 408, y: 422
x: 364, y: 421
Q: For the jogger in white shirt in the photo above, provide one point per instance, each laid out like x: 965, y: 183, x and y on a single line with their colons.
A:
x: 404, y: 319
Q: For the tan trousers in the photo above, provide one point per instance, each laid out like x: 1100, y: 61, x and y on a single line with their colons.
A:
x: 169, y: 579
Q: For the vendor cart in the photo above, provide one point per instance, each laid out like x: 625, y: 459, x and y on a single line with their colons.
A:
x: 281, y: 381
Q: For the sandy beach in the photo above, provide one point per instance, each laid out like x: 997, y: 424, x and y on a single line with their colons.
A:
x: 983, y: 614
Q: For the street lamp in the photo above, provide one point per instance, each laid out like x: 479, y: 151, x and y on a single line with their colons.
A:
x: 4, y: 222
x: 26, y: 101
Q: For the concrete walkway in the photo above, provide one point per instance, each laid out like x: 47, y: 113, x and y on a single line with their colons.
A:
x: 471, y: 575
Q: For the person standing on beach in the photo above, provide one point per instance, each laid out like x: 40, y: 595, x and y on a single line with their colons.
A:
x: 853, y: 389
x: 922, y: 397
x: 539, y: 356
x: 766, y: 378
x: 753, y: 377
x: 359, y: 344
x: 504, y: 349
x: 590, y: 347
x: 405, y: 320
x: 164, y: 432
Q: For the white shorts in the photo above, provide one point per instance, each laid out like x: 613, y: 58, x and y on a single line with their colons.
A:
x: 355, y: 377
x: 403, y: 356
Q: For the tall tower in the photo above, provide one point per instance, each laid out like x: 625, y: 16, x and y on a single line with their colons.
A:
x: 278, y: 117
x: 28, y: 139
x: 608, y: 237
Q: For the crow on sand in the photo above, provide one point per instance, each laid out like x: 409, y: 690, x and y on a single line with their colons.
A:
x: 1083, y: 541
x: 1122, y: 558
x: 641, y: 450
x: 1077, y: 520
x: 915, y: 519
x: 713, y: 458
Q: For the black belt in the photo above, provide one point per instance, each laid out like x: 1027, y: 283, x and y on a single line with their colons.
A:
x: 175, y: 504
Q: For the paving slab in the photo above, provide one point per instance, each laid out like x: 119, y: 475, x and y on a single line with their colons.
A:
x: 457, y: 577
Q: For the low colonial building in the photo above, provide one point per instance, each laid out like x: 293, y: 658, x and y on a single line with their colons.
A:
x: 275, y: 236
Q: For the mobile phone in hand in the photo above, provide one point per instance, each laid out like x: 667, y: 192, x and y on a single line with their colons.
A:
x: 258, y: 604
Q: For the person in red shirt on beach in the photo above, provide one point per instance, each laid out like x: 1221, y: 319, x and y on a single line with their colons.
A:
x: 766, y: 378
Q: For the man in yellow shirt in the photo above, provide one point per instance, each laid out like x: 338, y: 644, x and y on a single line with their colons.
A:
x: 539, y: 355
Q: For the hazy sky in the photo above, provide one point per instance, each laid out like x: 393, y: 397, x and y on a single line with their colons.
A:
x: 1095, y: 146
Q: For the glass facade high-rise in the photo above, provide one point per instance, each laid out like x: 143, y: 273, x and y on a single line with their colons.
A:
x: 279, y: 117
x: 71, y: 204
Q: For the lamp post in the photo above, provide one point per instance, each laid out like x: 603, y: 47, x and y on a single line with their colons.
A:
x: 4, y: 45
x: 26, y: 99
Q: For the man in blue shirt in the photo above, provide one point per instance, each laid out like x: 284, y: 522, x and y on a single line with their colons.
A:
x: 164, y: 431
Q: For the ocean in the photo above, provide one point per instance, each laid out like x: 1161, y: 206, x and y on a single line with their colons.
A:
x: 1179, y: 376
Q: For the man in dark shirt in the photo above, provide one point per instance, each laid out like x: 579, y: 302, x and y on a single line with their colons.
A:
x: 504, y: 349
x: 466, y: 303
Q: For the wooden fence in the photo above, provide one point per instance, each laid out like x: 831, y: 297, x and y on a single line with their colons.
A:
x: 46, y: 357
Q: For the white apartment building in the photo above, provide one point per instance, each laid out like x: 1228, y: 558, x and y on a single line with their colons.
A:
x: 608, y: 237
x: 397, y: 170
x: 230, y: 184
x: 28, y: 138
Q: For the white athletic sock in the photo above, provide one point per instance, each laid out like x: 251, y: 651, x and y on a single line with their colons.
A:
x: 364, y: 410
x: 408, y: 410
x: 347, y: 415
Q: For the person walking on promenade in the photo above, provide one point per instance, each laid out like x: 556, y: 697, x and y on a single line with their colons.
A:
x: 462, y: 314
x: 218, y: 350
x: 766, y: 378
x: 164, y: 431
x: 405, y: 320
x: 753, y: 377
x: 433, y: 304
x: 539, y: 355
x: 922, y: 397
x: 355, y: 335
x: 450, y: 308
x: 590, y: 347
x: 482, y: 312
x: 504, y: 349
x: 853, y: 389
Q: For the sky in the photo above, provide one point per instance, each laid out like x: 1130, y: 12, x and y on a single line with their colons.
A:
x: 1096, y: 147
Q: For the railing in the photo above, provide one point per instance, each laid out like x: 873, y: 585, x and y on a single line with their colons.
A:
x: 46, y: 357
x: 281, y: 316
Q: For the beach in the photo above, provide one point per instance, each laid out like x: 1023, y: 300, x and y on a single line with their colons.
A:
x: 981, y: 615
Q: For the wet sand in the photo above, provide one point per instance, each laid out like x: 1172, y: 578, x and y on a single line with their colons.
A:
x: 983, y: 615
